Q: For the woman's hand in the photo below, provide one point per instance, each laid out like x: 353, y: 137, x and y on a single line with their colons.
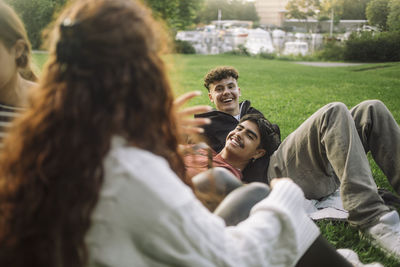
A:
x: 189, y: 125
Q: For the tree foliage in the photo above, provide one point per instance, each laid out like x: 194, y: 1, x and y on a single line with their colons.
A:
x: 36, y: 15
x: 393, y: 19
x: 345, y: 9
x: 370, y: 46
x: 230, y: 10
x: 178, y: 14
x: 302, y: 9
x: 377, y: 13
x: 354, y: 9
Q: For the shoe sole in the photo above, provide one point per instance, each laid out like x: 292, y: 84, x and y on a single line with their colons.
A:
x: 367, y: 237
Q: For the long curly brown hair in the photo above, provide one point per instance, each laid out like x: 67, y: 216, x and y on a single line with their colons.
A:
x: 104, y: 77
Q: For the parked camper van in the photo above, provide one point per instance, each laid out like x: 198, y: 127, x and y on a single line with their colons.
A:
x: 295, y: 48
x: 259, y: 41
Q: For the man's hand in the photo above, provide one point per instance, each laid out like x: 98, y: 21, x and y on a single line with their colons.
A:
x: 189, y: 125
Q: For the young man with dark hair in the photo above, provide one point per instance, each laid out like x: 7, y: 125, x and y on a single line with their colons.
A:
x: 327, y: 152
x: 251, y: 139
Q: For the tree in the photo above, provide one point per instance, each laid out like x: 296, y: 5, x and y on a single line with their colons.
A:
x: 187, y: 12
x: 244, y: 10
x: 36, y: 15
x: 230, y: 10
x: 354, y: 9
x: 302, y: 9
x: 377, y: 13
x: 345, y: 9
x: 393, y: 20
x: 178, y: 14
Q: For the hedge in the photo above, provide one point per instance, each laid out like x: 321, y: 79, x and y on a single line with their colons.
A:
x: 373, y: 47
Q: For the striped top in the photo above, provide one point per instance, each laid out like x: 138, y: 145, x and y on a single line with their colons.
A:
x: 7, y: 114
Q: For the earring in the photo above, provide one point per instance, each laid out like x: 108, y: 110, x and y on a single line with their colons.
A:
x: 22, y: 61
x: 253, y: 160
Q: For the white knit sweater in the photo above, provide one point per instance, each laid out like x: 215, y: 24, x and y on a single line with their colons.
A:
x: 147, y: 217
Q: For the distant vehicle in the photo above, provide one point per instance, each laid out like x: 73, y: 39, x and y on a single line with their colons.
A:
x: 278, y: 39
x: 259, y: 41
x: 295, y: 48
x: 367, y: 28
x: 189, y: 36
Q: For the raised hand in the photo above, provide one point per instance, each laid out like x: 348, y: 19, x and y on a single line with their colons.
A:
x: 186, y: 121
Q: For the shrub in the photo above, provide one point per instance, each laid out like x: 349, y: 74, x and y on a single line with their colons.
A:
x: 373, y: 47
x: 184, y: 47
x: 267, y: 55
x: 332, y: 50
x: 240, y: 51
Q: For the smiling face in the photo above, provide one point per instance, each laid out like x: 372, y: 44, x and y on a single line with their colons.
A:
x: 225, y: 95
x: 244, y: 141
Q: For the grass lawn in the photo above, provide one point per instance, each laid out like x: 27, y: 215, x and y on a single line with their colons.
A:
x: 288, y: 93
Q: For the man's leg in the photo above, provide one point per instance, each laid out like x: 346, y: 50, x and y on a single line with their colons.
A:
x: 380, y: 134
x: 324, y: 147
x: 236, y: 208
x: 213, y: 185
x: 237, y: 204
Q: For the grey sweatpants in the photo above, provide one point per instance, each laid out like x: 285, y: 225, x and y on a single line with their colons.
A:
x: 329, y: 151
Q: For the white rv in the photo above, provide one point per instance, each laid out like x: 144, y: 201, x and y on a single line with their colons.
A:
x: 259, y: 41
x: 295, y: 48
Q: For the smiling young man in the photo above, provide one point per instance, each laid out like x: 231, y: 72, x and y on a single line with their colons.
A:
x: 251, y: 139
x: 243, y: 144
x: 225, y: 95
x: 327, y: 152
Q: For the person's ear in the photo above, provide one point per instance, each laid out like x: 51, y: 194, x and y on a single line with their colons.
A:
x: 210, y: 97
x: 259, y: 153
x: 19, y: 48
x: 240, y: 94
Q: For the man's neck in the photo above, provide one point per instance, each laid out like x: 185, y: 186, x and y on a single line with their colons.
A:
x: 235, y: 162
x: 233, y: 113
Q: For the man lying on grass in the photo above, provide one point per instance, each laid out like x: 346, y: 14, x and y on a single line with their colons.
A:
x: 222, y: 192
x: 328, y: 151
x: 252, y: 138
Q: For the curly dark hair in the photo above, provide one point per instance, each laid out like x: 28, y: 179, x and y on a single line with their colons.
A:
x: 104, y: 77
x: 218, y: 74
x: 270, y: 134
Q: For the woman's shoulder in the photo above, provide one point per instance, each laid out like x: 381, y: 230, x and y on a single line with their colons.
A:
x: 134, y: 158
x: 142, y: 171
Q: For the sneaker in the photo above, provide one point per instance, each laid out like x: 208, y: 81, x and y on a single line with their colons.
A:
x: 386, y: 233
x: 352, y: 257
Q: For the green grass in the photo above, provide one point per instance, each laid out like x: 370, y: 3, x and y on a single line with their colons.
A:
x: 39, y: 59
x: 287, y: 94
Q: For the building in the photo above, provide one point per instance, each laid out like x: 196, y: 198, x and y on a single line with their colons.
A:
x: 271, y: 12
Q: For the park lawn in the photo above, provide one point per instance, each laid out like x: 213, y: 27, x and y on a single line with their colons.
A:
x: 287, y: 94
x: 39, y: 59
